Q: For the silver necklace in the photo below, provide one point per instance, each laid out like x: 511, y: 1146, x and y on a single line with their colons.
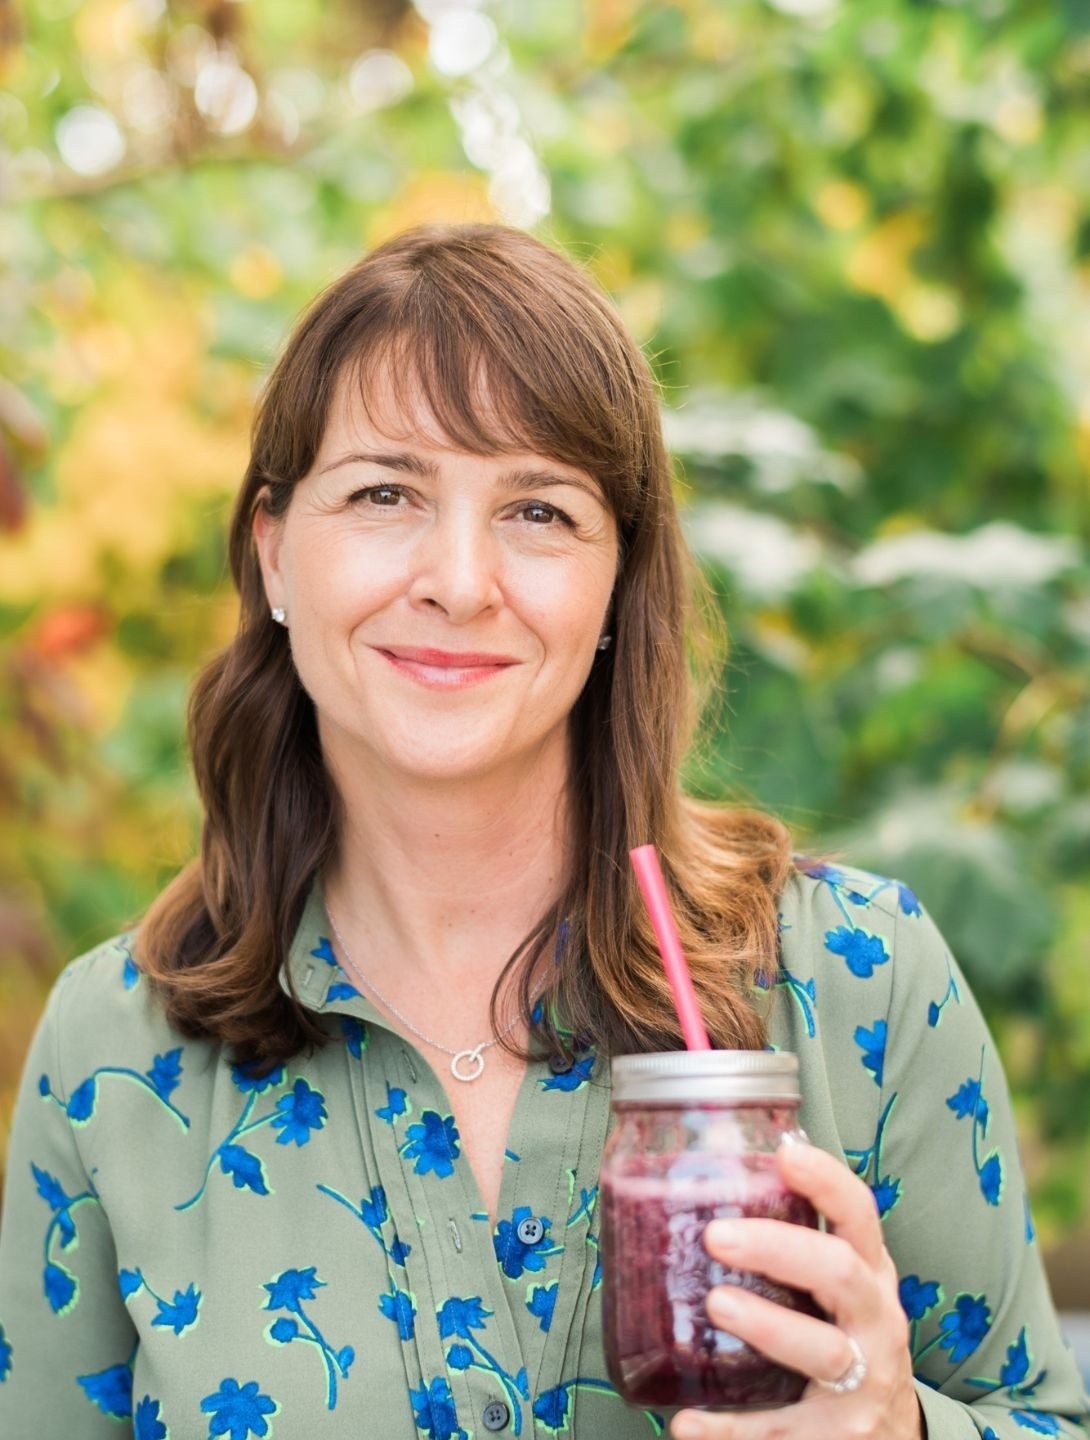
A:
x: 471, y: 1057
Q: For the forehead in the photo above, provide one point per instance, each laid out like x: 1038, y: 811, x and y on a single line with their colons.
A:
x: 372, y: 407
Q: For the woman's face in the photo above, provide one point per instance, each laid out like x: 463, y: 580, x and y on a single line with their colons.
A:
x: 444, y: 607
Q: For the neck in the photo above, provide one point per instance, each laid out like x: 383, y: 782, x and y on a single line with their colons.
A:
x: 446, y: 879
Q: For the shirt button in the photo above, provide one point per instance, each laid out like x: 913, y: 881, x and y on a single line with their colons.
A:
x: 559, y: 1065
x: 496, y: 1416
x: 530, y: 1231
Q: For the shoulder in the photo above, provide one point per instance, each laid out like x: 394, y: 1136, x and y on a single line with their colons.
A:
x: 849, y: 925
x: 103, y: 1011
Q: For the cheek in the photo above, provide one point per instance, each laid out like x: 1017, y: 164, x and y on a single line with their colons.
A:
x: 340, y: 584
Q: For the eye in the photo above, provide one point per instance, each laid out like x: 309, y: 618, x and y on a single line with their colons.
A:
x: 387, y: 496
x: 541, y: 514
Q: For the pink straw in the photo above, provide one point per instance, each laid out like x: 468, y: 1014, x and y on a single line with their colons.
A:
x: 645, y: 862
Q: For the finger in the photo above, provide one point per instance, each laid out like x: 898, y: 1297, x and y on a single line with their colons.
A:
x: 812, y: 1347
x: 841, y: 1197
x: 826, y: 1265
x: 816, y: 1420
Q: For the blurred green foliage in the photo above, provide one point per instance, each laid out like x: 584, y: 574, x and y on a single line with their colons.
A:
x: 855, y: 241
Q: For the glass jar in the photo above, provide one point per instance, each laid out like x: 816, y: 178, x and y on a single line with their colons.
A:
x: 694, y: 1140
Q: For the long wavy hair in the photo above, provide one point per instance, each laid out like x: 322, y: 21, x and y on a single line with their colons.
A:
x: 436, y: 308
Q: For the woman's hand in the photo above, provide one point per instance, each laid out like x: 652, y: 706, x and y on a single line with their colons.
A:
x: 850, y: 1274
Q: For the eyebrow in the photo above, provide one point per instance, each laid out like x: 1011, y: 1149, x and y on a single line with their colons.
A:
x: 409, y: 464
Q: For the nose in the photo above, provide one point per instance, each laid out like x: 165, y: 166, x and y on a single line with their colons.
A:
x: 456, y: 566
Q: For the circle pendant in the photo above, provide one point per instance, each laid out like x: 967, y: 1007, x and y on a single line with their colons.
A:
x: 474, y: 1058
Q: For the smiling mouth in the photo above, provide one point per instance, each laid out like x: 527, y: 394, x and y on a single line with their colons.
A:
x: 446, y: 669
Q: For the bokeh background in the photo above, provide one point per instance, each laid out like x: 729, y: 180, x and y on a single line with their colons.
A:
x: 854, y: 240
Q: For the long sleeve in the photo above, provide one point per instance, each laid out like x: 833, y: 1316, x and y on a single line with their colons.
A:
x: 987, y: 1350
x: 900, y: 1076
x: 66, y: 1340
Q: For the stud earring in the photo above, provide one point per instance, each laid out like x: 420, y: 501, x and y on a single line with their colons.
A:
x: 279, y: 614
x: 605, y: 642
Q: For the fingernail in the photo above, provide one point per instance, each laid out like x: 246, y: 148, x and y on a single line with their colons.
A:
x: 723, y: 1303
x: 795, y: 1144
x: 724, y: 1234
x: 687, y: 1426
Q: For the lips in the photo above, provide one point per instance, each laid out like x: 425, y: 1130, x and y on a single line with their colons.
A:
x: 446, y: 659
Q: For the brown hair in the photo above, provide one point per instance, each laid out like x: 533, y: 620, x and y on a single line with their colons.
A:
x: 445, y: 306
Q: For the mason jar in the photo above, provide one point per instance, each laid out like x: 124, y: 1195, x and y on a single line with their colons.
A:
x: 694, y: 1140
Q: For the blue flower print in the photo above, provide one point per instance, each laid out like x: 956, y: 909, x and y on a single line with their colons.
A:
x: 110, y: 1390
x: 462, y: 1318
x: 5, y: 1356
x: 324, y: 951
x: 397, y: 1104
x: 968, y: 1102
x: 991, y: 1178
x: 1039, y: 1424
x: 886, y: 1189
x: 906, y: 899
x: 435, y: 1412
x: 373, y: 1213
x: 355, y: 1035
x: 245, y: 1170
x: 299, y: 1113
x: 541, y: 1302
x: 289, y: 1288
x: 238, y: 1411
x: 873, y: 1045
x: 60, y: 1286
x: 249, y: 1082
x: 551, y: 1408
x: 398, y: 1306
x: 819, y: 870
x: 340, y: 988
x: 61, y: 1289
x: 936, y: 1007
x: 287, y: 1291
x: 146, y: 1422
x: 1013, y: 1372
x: 160, y: 1080
x: 588, y: 1199
x: 166, y: 1073
x: 568, y: 1080
x: 432, y: 1143
x: 861, y: 951
x: 81, y: 1102
x: 962, y: 1329
x: 179, y: 1314
x: 886, y: 1192
x: 295, y: 1116
x: 804, y: 994
x: 918, y: 1297
x: 516, y: 1255
x: 1016, y: 1367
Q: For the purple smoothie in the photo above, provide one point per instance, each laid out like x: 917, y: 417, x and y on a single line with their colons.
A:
x: 661, y: 1348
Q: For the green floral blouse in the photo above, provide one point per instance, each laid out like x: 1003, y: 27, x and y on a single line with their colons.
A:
x: 188, y: 1252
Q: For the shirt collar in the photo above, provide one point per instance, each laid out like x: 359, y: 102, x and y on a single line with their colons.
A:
x: 320, y: 981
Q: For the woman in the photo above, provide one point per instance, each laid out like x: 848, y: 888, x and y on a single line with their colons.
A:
x: 318, y: 1145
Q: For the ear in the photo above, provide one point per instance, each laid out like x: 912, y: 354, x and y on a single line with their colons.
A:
x: 268, y: 533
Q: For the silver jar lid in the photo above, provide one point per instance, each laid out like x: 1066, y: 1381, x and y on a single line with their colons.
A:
x: 691, y: 1076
